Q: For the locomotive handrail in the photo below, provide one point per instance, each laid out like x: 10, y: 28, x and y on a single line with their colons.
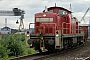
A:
x: 43, y: 27
x: 30, y: 24
x: 62, y: 27
x: 78, y: 29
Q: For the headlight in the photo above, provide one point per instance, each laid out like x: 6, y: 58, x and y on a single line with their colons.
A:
x: 27, y: 35
x: 57, y: 35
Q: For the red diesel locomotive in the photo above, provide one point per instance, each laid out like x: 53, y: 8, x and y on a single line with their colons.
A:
x: 55, y: 29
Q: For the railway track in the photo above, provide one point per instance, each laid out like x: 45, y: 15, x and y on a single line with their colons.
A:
x: 24, y: 57
x: 62, y: 52
x: 31, y: 56
x: 87, y: 58
x: 44, y: 55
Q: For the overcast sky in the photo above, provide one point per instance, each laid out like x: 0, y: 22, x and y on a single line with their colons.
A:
x: 31, y: 7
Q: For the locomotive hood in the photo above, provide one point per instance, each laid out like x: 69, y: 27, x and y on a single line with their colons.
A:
x: 45, y: 14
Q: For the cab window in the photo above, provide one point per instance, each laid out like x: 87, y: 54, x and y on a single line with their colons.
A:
x: 62, y: 12
x: 50, y: 10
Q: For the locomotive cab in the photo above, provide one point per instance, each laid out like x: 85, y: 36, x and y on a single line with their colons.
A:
x: 63, y: 20
x: 59, y: 10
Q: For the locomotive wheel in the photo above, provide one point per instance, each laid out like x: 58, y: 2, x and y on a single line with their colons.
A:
x: 40, y: 51
x: 51, y: 50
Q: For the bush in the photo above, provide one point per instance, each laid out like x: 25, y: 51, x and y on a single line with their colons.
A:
x: 3, y: 52
x: 15, y: 48
x: 31, y: 51
x: 13, y: 45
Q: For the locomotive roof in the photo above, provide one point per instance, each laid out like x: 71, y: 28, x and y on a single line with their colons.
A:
x: 60, y: 8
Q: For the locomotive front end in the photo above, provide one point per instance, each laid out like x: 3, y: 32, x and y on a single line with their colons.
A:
x: 44, y: 32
